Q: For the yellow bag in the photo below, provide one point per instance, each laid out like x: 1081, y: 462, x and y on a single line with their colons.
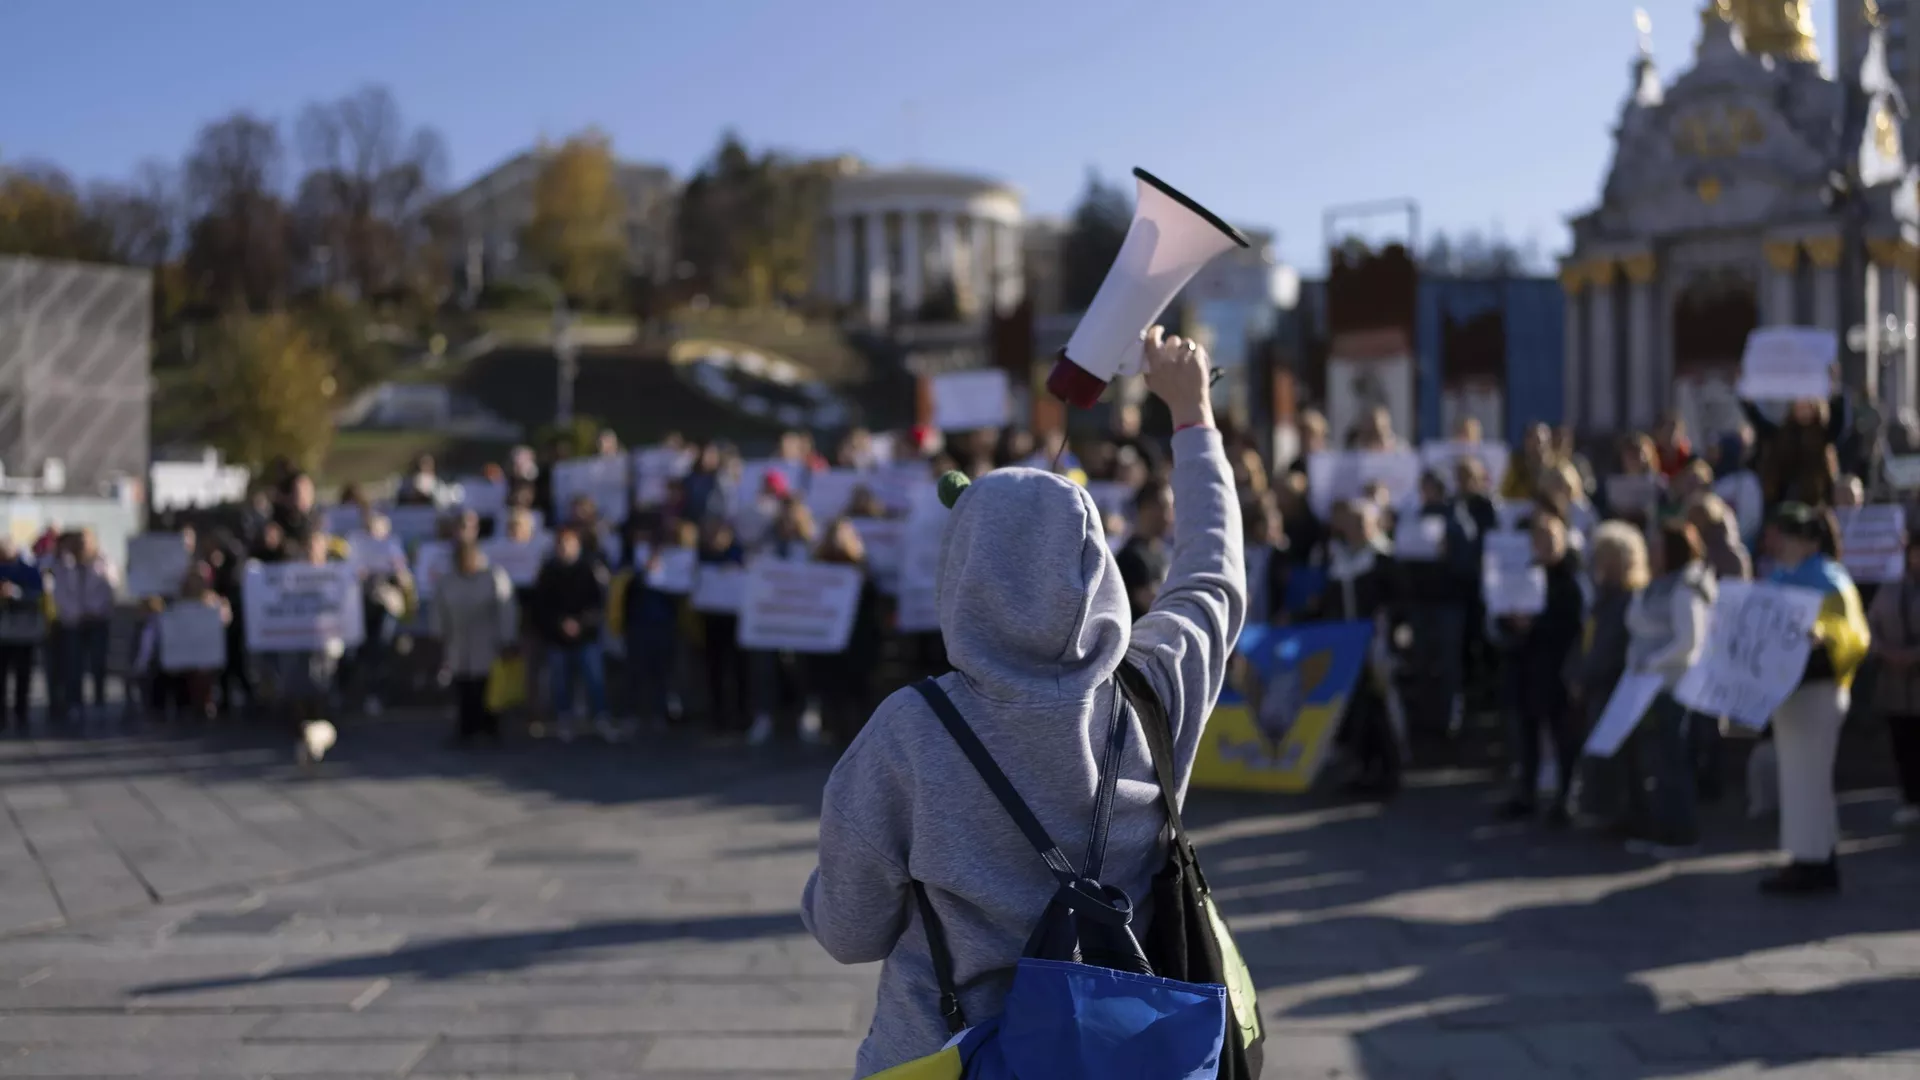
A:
x: 507, y: 685
x: 617, y: 602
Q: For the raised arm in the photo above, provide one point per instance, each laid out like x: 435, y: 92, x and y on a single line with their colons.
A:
x: 1183, y: 642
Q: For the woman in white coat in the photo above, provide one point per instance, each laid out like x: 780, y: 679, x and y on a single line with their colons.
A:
x: 475, y: 619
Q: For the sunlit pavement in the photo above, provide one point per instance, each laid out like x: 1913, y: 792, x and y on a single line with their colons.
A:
x: 195, y: 907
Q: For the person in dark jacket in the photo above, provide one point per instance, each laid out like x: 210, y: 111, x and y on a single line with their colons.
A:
x: 720, y: 630
x: 1363, y: 586
x: 1541, y: 646
x: 842, y: 681
x: 1439, y: 571
x: 651, y: 619
x: 23, y: 625
x: 570, y: 604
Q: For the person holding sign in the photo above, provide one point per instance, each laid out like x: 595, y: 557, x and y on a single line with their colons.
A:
x: 474, y: 616
x: 1795, y: 459
x: 1620, y: 570
x: 1037, y: 623
x: 570, y: 608
x: 1668, y: 624
x: 1806, y: 729
x: 1364, y: 585
x: 1541, y: 646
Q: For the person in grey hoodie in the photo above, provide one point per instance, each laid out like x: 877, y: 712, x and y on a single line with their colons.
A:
x: 1036, y: 622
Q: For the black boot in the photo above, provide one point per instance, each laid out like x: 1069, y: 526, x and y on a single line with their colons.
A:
x: 1804, y: 879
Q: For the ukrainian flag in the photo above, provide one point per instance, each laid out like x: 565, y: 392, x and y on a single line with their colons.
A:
x: 1841, y: 626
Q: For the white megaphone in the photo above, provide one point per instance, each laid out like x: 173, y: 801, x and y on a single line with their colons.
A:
x: 1171, y: 238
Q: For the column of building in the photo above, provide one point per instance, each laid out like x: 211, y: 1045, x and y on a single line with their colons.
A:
x: 1778, y: 306
x: 1644, y: 392
x: 1824, y: 253
x: 1573, y: 282
x: 1603, y: 408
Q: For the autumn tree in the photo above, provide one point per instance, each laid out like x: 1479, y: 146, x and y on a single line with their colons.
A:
x: 578, y: 230
x: 1092, y: 241
x: 239, y: 240
x: 365, y: 196
x: 747, y: 224
x: 268, y: 390
x: 41, y: 214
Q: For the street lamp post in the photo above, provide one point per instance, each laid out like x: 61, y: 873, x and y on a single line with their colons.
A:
x: 566, y: 354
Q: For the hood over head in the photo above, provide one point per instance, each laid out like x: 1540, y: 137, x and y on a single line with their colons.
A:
x: 1031, y: 602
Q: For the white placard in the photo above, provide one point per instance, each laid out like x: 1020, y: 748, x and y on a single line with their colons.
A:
x: 1788, y: 363
x: 673, y: 572
x: 343, y: 519
x: 1420, y: 537
x: 299, y: 607
x: 520, y: 559
x: 1510, y: 582
x: 919, y: 610
x: 183, y: 484
x: 156, y: 564
x: 1873, y: 542
x: 654, y: 468
x: 1444, y: 457
x: 485, y: 497
x: 744, y: 502
x: 1629, y: 493
x: 886, y: 542
x: 969, y: 400
x: 192, y: 638
x: 602, y: 479
x: 794, y: 606
x: 1903, y: 471
x: 1339, y: 475
x: 719, y: 589
x: 1757, y: 644
x: 829, y: 492
x: 1510, y: 513
x: 1632, y: 696
x: 432, y: 561
x: 386, y: 555
x: 412, y: 524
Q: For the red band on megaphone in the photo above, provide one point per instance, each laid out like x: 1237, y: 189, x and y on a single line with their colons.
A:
x: 1074, y: 384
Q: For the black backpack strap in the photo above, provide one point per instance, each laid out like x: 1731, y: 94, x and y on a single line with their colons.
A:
x: 1159, y: 733
x: 1104, y: 793
x: 997, y: 782
x: 942, y: 962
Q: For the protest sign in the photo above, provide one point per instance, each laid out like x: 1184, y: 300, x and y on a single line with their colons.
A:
x: 432, y: 561
x: 885, y: 540
x: 1903, y: 472
x: 968, y: 400
x: 413, y: 524
x: 654, y: 468
x: 919, y: 610
x: 343, y: 519
x: 367, y: 555
x: 1873, y: 542
x: 299, y: 607
x: 719, y: 589
x: 829, y: 492
x: 794, y: 606
x: 1633, y: 493
x: 894, y: 484
x: 193, y: 637
x: 1632, y: 696
x: 1510, y: 513
x: 520, y: 559
x: 1788, y: 363
x: 1512, y: 584
x: 1338, y: 475
x: 1444, y: 457
x: 1287, y: 690
x: 673, y: 572
x: 1420, y: 537
x: 485, y: 497
x: 602, y: 479
x: 1758, y: 639
x: 156, y: 564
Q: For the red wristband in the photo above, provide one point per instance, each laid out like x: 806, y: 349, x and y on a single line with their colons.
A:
x: 1196, y: 423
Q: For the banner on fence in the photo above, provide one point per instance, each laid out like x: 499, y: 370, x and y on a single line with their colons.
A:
x: 193, y: 637
x: 298, y: 607
x: 803, y: 607
x: 1758, y: 639
x: 156, y: 564
x: 1287, y: 691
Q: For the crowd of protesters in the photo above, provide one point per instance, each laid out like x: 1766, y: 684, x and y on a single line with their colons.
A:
x: 1631, y: 558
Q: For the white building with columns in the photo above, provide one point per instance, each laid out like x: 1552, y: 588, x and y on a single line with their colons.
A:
x: 1716, y: 217
x: 916, y: 245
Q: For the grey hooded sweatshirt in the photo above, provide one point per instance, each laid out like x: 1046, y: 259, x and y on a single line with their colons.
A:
x: 1036, y: 622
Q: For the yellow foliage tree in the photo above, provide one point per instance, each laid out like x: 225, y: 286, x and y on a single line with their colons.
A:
x: 41, y: 215
x: 270, y: 392
x: 578, y: 231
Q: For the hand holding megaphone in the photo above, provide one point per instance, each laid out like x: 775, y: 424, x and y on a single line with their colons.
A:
x: 1170, y: 239
x: 1177, y: 373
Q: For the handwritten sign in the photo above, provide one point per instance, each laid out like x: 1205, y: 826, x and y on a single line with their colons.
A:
x: 1757, y: 645
x: 967, y: 400
x: 1873, y: 542
x: 298, y: 607
x: 156, y: 564
x: 1511, y: 583
x: 192, y: 638
x: 794, y: 606
x: 1339, y: 475
x: 1788, y: 363
x: 1632, y: 696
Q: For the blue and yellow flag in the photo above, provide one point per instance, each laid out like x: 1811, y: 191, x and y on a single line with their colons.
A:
x: 1287, y: 690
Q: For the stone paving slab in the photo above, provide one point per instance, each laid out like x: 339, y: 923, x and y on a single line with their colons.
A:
x: 195, y: 907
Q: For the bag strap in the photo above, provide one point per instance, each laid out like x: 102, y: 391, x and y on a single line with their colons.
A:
x: 942, y: 960
x: 997, y: 782
x: 1159, y: 732
x: 1104, y: 794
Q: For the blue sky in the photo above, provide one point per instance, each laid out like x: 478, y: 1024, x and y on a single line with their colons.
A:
x: 1493, y: 114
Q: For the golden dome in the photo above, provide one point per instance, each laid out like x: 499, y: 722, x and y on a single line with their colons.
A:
x: 1782, y: 28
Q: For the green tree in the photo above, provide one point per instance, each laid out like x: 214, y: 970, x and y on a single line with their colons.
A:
x: 1093, y: 239
x: 41, y: 214
x: 747, y: 224
x: 269, y: 390
x: 578, y: 231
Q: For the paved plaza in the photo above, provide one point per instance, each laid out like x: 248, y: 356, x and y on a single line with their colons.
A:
x: 194, y: 907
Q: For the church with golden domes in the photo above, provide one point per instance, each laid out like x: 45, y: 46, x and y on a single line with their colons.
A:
x: 1754, y: 189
